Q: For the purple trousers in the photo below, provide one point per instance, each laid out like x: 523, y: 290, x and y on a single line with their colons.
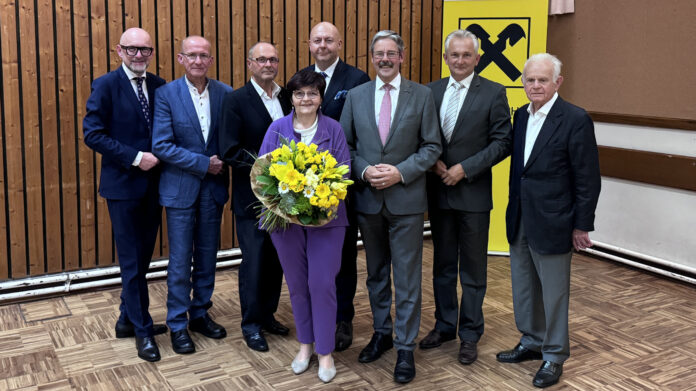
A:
x: 311, y: 258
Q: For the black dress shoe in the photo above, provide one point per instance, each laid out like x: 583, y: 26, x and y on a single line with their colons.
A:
x: 256, y: 341
x: 182, y: 343
x: 147, y: 348
x: 344, y: 336
x: 207, y: 327
x: 548, y: 374
x: 277, y: 328
x: 434, y: 339
x: 467, y: 352
x: 518, y: 354
x: 126, y: 330
x: 405, y: 369
x: 379, y: 344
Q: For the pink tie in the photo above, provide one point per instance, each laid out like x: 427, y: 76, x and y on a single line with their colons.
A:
x: 385, y: 114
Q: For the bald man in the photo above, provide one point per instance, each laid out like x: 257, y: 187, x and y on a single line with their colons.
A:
x: 193, y: 190
x: 325, y: 43
x: 118, y: 125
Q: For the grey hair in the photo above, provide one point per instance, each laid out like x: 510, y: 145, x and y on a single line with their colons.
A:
x: 251, y: 49
x: 390, y: 34
x: 544, y: 57
x: 462, y: 34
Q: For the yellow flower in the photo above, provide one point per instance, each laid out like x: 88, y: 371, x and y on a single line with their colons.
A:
x: 323, y: 190
x: 280, y: 170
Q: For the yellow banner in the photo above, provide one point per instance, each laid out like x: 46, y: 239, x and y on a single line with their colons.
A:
x: 509, y: 31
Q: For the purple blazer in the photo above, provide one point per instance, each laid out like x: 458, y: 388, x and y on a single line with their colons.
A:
x: 329, y: 136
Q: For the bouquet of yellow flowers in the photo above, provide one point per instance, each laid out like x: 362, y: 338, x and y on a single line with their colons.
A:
x: 297, y: 184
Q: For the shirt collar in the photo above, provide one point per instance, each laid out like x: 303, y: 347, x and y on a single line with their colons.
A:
x: 329, y: 71
x: 546, y: 107
x: 192, y: 87
x: 466, y: 82
x: 130, y: 74
x: 396, y: 83
x: 262, y: 93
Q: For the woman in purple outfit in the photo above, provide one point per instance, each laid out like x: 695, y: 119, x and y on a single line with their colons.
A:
x: 311, y: 256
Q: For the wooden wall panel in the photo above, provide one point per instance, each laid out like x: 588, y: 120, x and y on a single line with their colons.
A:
x: 51, y: 215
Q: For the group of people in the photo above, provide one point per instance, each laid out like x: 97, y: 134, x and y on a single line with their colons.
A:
x: 411, y: 148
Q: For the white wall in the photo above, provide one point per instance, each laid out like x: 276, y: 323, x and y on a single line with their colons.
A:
x: 651, y: 220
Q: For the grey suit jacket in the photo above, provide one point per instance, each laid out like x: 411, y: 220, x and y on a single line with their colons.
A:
x: 413, y: 145
x: 482, y: 137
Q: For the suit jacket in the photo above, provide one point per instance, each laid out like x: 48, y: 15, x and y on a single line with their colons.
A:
x: 481, y: 139
x: 413, y: 145
x: 557, y: 190
x: 178, y: 141
x: 244, y: 121
x: 344, y: 78
x: 115, y: 126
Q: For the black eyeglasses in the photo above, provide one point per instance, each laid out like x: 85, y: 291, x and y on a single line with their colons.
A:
x: 133, y: 50
x: 263, y: 60
x: 193, y: 56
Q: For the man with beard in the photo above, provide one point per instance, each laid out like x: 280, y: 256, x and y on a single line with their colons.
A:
x: 118, y: 125
x: 392, y: 132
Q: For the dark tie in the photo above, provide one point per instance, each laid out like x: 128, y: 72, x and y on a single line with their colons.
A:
x: 142, y: 99
x: 324, y: 74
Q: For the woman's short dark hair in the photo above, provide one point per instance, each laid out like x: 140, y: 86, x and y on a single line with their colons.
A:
x: 307, y: 78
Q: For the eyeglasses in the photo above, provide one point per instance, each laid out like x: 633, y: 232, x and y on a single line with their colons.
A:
x: 297, y: 94
x: 317, y: 41
x: 133, y: 50
x: 392, y: 55
x: 263, y: 60
x: 194, y: 56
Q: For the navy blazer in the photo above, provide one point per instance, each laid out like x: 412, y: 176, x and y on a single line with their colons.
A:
x: 343, y: 79
x: 558, y: 189
x: 115, y: 126
x: 178, y: 141
x: 243, y: 124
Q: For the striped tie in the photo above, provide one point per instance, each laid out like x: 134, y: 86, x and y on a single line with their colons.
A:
x: 452, y: 111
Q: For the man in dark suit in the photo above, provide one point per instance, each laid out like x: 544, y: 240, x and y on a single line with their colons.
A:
x: 476, y: 132
x: 393, y: 139
x: 246, y: 115
x: 193, y: 190
x: 324, y: 43
x: 554, y: 188
x: 118, y: 126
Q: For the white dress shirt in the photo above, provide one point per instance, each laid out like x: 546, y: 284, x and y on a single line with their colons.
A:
x: 393, y: 93
x: 132, y: 76
x: 201, y: 101
x: 449, y: 91
x: 329, y: 72
x: 275, y: 110
x: 534, y: 124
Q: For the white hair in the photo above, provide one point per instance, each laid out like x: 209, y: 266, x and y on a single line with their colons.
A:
x: 462, y: 34
x: 544, y: 57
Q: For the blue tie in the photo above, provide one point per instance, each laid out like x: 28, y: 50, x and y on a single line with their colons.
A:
x: 143, y: 101
x: 324, y: 74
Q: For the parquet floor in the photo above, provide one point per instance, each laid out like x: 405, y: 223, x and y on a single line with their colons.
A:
x: 629, y: 331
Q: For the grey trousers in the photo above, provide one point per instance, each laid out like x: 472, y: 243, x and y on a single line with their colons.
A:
x: 540, y: 295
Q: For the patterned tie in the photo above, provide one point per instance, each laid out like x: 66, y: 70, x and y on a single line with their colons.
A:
x: 385, y: 114
x: 143, y: 101
x: 324, y: 74
x: 452, y: 111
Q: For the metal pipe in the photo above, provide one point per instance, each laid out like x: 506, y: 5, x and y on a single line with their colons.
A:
x: 643, y: 266
x: 646, y: 257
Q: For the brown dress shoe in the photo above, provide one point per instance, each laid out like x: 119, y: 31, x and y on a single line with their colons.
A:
x: 434, y: 339
x: 467, y: 352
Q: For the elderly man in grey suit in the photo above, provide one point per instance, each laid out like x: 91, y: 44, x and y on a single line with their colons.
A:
x: 476, y: 135
x: 392, y: 132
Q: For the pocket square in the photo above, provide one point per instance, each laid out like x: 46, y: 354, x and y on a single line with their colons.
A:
x: 340, y: 94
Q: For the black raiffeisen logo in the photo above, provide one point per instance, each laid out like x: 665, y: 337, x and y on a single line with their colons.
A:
x: 504, y: 46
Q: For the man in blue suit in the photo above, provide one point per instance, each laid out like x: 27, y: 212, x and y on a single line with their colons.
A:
x: 324, y: 43
x: 193, y: 190
x: 118, y: 126
x: 246, y: 114
x: 554, y: 189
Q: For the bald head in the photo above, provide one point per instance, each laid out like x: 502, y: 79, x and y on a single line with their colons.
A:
x: 135, y: 49
x: 194, y: 40
x: 324, y: 44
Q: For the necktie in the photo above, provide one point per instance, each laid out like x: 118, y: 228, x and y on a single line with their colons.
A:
x: 324, y: 74
x: 142, y: 99
x: 385, y: 114
x: 452, y: 111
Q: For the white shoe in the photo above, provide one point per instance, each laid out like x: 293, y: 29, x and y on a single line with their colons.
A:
x: 327, y: 374
x: 299, y: 366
